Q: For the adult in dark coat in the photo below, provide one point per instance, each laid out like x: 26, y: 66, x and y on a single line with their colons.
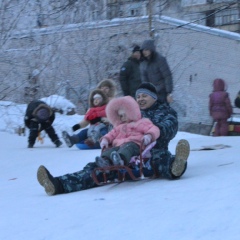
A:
x: 39, y: 116
x: 130, y: 73
x: 220, y: 107
x: 163, y: 163
x: 155, y: 69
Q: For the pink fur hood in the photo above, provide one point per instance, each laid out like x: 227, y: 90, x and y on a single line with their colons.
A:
x: 127, y: 104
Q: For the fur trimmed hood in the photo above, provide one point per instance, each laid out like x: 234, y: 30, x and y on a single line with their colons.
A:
x: 109, y: 83
x: 127, y: 104
x: 97, y: 91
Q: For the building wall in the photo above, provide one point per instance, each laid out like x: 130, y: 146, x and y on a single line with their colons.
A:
x: 72, y: 59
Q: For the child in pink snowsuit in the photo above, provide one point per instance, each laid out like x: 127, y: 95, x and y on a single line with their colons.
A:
x: 220, y: 107
x: 129, y: 131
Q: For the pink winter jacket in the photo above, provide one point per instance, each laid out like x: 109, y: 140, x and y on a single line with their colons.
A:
x: 132, y: 131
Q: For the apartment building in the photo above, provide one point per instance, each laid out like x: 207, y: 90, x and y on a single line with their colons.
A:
x: 222, y: 14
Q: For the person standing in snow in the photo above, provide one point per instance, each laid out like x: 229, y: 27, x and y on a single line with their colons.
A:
x: 155, y: 69
x: 108, y: 88
x: 129, y: 131
x: 38, y: 117
x: 130, y: 73
x: 220, y: 107
x: 164, y: 164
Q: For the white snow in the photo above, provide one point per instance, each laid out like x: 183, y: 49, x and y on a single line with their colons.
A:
x: 204, y: 204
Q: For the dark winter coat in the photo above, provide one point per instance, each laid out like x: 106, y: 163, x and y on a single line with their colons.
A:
x: 130, y: 76
x: 156, y: 71
x: 237, y: 100
x: 32, y: 106
x: 219, y: 102
x: 165, y: 118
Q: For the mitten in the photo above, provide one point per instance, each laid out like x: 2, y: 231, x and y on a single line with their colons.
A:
x: 76, y: 127
x: 147, y: 139
x: 104, y: 143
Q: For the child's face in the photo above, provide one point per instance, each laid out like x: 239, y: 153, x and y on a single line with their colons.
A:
x: 123, y: 117
x: 97, y: 101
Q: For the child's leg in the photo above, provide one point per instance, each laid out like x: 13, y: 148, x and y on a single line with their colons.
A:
x: 51, y: 133
x: 217, y: 128
x: 107, y: 153
x: 33, y: 127
x: 128, y: 150
x: 223, y: 131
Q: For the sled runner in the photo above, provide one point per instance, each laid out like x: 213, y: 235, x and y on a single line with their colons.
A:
x: 138, y: 168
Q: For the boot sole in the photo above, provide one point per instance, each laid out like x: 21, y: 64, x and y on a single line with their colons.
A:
x: 182, y: 154
x: 66, y: 139
x: 44, y: 181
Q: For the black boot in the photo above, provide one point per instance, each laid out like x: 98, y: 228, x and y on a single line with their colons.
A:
x: 70, y: 140
x: 52, y: 185
x: 58, y: 143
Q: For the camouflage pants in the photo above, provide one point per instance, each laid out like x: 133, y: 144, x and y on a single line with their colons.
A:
x: 80, y: 180
x: 161, y: 162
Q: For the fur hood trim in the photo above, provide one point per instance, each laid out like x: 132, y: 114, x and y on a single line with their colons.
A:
x: 109, y: 83
x: 97, y: 91
x: 127, y: 104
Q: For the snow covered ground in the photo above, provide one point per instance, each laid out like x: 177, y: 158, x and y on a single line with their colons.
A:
x: 204, y: 204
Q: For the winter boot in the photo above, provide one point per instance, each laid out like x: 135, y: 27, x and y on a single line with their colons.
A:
x: 70, y: 140
x: 116, y: 159
x: 58, y: 143
x: 102, y: 162
x: 181, y: 156
x: 52, y: 185
x: 30, y: 145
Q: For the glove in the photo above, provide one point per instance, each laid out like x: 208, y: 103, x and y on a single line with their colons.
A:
x: 104, y: 143
x: 76, y: 127
x: 147, y: 139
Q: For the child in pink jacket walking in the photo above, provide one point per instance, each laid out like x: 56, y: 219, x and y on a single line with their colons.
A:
x: 129, y: 131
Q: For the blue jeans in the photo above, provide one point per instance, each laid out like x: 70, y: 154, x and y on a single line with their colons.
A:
x: 82, y: 135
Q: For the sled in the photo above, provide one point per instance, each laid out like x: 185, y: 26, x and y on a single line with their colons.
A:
x: 83, y: 146
x: 138, y: 169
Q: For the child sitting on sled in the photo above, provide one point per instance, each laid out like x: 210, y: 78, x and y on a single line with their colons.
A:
x: 129, y: 131
x: 95, y: 117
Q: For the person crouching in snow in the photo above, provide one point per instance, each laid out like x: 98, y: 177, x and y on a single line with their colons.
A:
x: 220, y: 107
x: 95, y: 118
x: 39, y: 116
x: 129, y: 131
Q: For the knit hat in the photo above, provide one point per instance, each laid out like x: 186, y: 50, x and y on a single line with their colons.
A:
x: 97, y: 96
x: 147, y: 88
x: 42, y: 113
x: 136, y: 49
x: 148, y: 45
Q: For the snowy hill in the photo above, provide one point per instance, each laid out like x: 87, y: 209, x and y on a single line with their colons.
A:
x: 202, y: 205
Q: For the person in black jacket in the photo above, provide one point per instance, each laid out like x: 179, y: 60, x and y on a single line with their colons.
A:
x: 39, y: 116
x: 155, y: 69
x: 130, y: 73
